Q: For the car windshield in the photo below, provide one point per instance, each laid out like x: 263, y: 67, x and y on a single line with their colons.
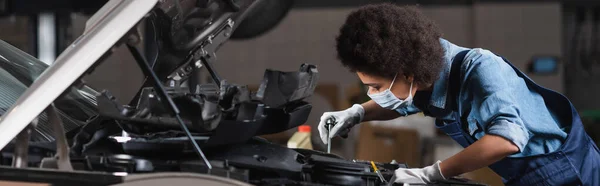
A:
x: 18, y: 70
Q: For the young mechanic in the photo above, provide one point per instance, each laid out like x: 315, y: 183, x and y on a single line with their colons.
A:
x: 527, y: 134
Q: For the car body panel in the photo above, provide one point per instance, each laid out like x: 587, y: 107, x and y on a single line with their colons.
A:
x: 119, y: 16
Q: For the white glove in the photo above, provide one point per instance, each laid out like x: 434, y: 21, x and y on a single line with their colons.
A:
x: 345, y: 120
x: 425, y: 175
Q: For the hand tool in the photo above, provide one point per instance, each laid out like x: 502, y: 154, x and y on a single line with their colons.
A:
x: 329, y: 124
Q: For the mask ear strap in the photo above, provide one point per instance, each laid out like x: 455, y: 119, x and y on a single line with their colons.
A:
x: 393, y: 81
x: 411, y: 85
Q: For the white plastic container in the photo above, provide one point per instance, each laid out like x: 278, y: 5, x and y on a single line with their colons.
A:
x: 301, y: 139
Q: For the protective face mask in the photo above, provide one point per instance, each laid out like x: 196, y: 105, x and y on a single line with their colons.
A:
x: 387, y: 99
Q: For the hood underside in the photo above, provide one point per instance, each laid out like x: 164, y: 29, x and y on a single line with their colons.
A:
x: 112, y: 23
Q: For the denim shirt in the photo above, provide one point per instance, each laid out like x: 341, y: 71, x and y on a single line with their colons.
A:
x: 495, y: 101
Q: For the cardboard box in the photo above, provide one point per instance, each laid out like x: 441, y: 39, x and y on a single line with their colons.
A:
x: 384, y: 144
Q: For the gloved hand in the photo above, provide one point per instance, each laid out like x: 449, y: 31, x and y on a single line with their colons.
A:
x: 424, y: 175
x: 345, y: 119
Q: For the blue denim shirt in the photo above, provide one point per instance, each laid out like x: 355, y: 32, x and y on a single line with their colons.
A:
x: 497, y: 101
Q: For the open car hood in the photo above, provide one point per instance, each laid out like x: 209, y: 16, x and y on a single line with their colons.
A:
x: 105, y: 29
x: 182, y: 32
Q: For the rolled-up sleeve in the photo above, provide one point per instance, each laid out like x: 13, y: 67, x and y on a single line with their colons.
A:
x: 511, y: 131
x: 493, y: 98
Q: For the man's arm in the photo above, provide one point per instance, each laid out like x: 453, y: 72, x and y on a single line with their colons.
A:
x: 375, y: 112
x: 485, y: 151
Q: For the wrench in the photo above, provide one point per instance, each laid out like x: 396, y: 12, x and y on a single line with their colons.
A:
x: 329, y: 124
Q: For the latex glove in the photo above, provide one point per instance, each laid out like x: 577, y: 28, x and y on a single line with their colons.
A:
x: 424, y: 175
x: 345, y: 119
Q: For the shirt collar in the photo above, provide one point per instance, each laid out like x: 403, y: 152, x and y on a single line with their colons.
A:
x: 440, y: 86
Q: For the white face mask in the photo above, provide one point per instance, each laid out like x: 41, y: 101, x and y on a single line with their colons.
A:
x: 388, y: 100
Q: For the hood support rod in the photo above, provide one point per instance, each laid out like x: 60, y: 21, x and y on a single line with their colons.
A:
x: 165, y: 99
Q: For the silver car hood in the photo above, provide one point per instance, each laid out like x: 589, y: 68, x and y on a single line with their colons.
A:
x: 103, y: 30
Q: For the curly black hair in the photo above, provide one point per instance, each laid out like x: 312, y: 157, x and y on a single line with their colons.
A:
x: 384, y: 39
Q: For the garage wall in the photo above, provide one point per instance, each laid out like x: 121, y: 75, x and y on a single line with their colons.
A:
x: 13, y: 30
x: 519, y: 31
x: 455, y: 22
x: 582, y: 85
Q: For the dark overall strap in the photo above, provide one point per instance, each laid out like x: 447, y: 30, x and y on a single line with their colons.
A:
x: 454, y: 84
x: 455, y: 129
x: 454, y: 79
